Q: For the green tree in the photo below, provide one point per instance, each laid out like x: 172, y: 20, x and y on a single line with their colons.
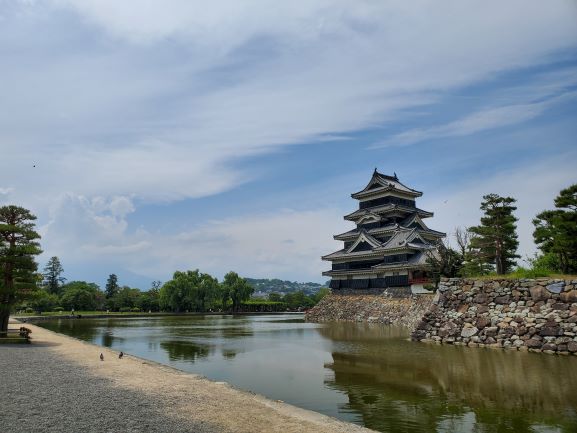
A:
x: 323, y: 291
x: 52, y: 275
x: 207, y: 291
x: 43, y: 301
x: 238, y: 289
x: 80, y: 295
x: 444, y: 262
x: 274, y: 297
x: 149, y: 301
x: 179, y: 294
x: 494, y: 241
x: 18, y: 246
x: 126, y: 297
x: 111, y: 287
x: 556, y: 230
x: 223, y: 295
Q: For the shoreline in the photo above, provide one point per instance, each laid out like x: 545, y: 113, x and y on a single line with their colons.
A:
x: 183, y: 397
x: 40, y: 318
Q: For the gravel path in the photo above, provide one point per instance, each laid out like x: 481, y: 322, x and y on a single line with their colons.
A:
x: 58, y: 384
x: 49, y: 394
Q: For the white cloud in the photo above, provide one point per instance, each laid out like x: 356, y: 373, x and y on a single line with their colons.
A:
x: 279, y: 244
x: 157, y: 100
x: 485, y: 119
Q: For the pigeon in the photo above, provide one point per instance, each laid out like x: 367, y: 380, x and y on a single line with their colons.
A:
x: 101, y: 357
x: 120, y: 355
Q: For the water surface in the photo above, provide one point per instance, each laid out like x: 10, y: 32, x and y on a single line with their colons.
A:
x: 368, y: 374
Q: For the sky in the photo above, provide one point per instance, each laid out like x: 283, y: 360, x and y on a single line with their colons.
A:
x: 153, y: 136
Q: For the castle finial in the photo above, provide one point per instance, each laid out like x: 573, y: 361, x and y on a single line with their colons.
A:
x: 395, y: 174
x: 375, y: 170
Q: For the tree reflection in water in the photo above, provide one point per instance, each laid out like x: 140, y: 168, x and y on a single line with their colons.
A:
x: 186, y: 350
x: 398, y: 385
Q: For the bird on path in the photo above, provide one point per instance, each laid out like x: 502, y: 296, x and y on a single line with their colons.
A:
x: 120, y: 355
x: 101, y: 357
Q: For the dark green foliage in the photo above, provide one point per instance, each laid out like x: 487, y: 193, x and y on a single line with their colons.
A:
x: 444, y: 262
x: 556, y: 230
x: 125, y: 297
x: 52, y: 274
x: 238, y: 289
x: 275, y: 285
x: 41, y: 301
x: 189, y: 291
x: 149, y: 301
x: 299, y: 300
x: 18, y: 246
x: 494, y: 241
x: 80, y: 295
x: 111, y: 286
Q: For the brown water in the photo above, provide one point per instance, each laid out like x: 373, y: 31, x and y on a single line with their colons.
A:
x: 366, y: 374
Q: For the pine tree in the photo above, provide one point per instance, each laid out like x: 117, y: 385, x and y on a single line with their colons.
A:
x: 52, y: 275
x: 556, y: 230
x: 18, y: 246
x: 494, y: 241
x: 111, y: 286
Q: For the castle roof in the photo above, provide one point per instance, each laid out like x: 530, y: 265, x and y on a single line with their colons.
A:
x: 381, y: 182
x: 403, y: 239
x: 385, y: 209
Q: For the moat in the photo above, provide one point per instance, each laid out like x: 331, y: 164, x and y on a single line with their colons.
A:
x: 368, y: 374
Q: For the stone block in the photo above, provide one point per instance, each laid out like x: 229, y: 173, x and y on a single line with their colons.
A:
x: 469, y: 331
x: 482, y: 322
x: 481, y: 298
x: 569, y: 297
x: 503, y: 300
x: 549, y: 346
x: 533, y: 344
x: 572, y: 346
x: 556, y: 287
x: 550, y: 331
x: 539, y: 293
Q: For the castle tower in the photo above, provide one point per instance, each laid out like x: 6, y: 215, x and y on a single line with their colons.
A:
x: 390, y: 244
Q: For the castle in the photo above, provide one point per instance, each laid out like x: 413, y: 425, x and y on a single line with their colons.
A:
x: 390, y: 245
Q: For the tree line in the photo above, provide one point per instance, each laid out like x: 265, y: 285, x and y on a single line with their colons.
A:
x: 491, y: 246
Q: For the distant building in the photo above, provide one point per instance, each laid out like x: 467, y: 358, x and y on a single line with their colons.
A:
x: 389, y: 246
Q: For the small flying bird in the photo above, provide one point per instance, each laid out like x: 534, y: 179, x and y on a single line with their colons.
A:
x: 101, y: 357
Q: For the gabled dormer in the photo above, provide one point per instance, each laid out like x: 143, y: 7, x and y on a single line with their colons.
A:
x: 414, y: 221
x: 364, y: 242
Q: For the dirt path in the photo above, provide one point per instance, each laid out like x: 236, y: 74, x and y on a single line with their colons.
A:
x: 58, y: 384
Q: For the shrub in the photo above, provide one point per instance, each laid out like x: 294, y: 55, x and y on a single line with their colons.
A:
x: 58, y: 309
x: 135, y: 310
x: 124, y: 309
x: 29, y: 310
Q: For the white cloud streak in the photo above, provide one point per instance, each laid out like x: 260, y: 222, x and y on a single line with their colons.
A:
x: 158, y: 100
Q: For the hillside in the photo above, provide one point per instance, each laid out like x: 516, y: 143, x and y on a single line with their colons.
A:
x: 264, y: 286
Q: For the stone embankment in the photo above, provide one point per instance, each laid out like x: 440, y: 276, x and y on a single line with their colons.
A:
x: 388, y: 306
x: 538, y: 315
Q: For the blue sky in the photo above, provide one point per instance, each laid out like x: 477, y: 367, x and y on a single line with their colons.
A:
x: 177, y: 134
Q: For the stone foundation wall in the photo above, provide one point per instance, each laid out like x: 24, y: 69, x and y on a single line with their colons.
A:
x: 539, y: 315
x: 376, y: 306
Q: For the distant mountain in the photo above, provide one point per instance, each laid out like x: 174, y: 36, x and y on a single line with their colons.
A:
x: 264, y: 286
